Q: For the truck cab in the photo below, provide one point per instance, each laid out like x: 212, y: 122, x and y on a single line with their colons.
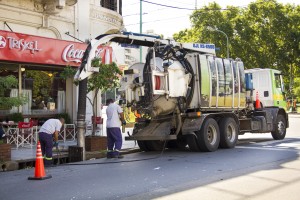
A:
x: 268, y: 83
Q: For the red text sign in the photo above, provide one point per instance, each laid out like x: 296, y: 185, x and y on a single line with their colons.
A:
x: 23, y: 48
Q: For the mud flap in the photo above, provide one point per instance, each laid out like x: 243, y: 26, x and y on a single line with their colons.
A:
x: 154, y: 131
x: 191, y: 125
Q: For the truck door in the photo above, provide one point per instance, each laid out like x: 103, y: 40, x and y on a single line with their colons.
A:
x: 278, y: 90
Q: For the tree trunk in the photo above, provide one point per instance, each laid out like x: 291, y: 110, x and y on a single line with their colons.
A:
x: 81, y: 115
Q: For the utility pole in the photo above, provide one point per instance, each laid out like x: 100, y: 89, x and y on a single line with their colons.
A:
x: 141, y: 28
x: 195, y: 4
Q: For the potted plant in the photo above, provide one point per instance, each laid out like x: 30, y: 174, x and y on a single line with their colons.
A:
x: 107, y: 78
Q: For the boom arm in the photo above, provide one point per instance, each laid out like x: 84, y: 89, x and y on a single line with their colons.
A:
x: 85, y: 69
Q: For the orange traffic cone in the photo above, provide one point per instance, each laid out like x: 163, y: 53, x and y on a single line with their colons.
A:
x: 39, y: 172
x: 257, y: 102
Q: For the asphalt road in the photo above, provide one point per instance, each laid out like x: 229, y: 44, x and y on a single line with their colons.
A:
x: 258, y: 168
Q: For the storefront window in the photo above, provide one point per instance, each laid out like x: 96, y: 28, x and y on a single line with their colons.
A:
x: 44, y: 90
x: 48, y: 90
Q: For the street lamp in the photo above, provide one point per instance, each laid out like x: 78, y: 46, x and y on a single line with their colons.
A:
x: 215, y: 29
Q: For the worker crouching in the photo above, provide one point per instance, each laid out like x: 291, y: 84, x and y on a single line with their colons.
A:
x: 47, y: 133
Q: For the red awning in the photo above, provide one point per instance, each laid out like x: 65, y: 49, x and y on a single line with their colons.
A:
x: 23, y: 48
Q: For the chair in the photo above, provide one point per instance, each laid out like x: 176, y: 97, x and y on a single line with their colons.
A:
x: 35, y: 126
x: 25, y: 134
x: 12, y: 135
x: 70, y: 131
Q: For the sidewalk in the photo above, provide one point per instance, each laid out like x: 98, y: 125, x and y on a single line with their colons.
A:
x: 25, y: 157
x: 27, y: 153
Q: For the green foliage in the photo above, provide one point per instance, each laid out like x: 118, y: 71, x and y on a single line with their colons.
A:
x: 42, y: 84
x: 96, y: 62
x: 296, y: 89
x: 6, y: 84
x: 68, y: 72
x: 107, y: 78
x: 16, y: 117
x: 265, y: 34
x: 66, y: 116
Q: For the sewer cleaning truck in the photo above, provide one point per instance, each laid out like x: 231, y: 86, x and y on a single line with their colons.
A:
x: 185, y: 95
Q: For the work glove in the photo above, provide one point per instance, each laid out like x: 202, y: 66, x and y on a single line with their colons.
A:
x: 55, y: 144
x: 123, y: 122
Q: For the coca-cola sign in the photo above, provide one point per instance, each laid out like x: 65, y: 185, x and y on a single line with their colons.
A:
x: 71, y: 54
x: 23, y: 48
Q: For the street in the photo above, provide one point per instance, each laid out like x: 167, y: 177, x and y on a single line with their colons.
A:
x: 257, y: 168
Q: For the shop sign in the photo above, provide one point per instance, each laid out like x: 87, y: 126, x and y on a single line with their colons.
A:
x: 17, y: 47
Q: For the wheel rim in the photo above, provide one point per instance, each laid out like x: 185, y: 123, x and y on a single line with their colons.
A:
x: 231, y: 133
x: 212, y: 135
x: 281, y: 127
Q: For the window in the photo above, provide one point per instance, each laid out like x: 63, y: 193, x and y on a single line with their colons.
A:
x: 277, y: 81
x: 112, y: 5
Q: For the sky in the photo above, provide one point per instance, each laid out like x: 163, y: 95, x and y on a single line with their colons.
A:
x: 167, y: 21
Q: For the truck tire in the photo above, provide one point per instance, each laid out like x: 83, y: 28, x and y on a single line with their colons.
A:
x: 229, y: 132
x: 180, y: 143
x: 143, y: 145
x: 209, y: 136
x: 192, y: 142
x: 155, y: 145
x: 280, y: 128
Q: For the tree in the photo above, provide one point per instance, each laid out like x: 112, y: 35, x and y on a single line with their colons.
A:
x: 265, y: 34
x: 107, y: 78
x: 6, y: 102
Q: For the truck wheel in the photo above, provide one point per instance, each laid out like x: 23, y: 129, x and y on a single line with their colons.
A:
x: 209, y: 136
x: 180, y: 143
x: 228, y: 133
x: 192, y: 142
x: 143, y: 145
x: 155, y: 145
x: 280, y: 128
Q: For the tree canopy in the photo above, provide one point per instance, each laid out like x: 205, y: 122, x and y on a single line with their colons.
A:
x: 265, y: 34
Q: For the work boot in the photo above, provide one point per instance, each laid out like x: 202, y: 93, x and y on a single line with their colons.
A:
x: 118, y: 156
x: 108, y: 156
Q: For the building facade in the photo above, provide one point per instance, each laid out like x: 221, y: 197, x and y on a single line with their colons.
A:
x: 39, y: 38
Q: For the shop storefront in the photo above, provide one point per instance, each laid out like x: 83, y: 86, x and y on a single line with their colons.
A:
x: 37, y: 63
